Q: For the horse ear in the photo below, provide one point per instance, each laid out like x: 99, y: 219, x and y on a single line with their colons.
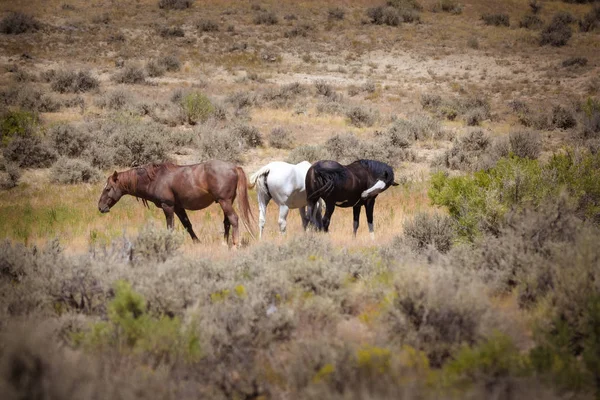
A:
x: 115, y: 176
x: 394, y: 184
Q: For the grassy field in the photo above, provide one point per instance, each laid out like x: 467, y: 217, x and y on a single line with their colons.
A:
x: 482, y: 280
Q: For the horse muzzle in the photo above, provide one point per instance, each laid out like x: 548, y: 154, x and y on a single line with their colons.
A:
x: 104, y: 209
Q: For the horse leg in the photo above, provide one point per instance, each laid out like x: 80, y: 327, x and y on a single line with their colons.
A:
x: 283, y: 213
x: 263, y: 201
x: 186, y: 222
x: 232, y: 218
x: 305, y: 219
x: 329, y: 208
x: 356, y: 212
x: 369, y: 206
x: 168, y: 210
x: 226, y: 226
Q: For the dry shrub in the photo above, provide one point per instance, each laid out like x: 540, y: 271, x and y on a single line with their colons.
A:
x: 74, y: 82
x: 403, y: 132
x: 248, y: 134
x: 170, y: 63
x: 283, y: 96
x: 241, y: 100
x: 155, y: 244
x: 310, y: 153
x: 220, y: 144
x: 384, y: 16
x: 562, y: 118
x: 574, y: 61
x: 531, y: 22
x: 175, y: 4
x: 73, y: 171
x: 29, y: 152
x: 116, y: 99
x: 426, y: 230
x: 10, y: 176
x: 154, y: 69
x: 591, y: 20
x: 68, y: 140
x: 130, y: 75
x: 17, y: 23
x: 266, y: 18
x: 526, y: 144
x: 171, y: 31
x: 496, y: 19
x: 469, y: 152
x: 207, y: 25
x: 281, y: 138
x: 449, y: 6
x: 336, y: 13
x: 362, y: 116
x: 32, y: 99
x: 558, y: 32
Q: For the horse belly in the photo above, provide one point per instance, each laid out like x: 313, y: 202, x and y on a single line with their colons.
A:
x: 195, y: 203
x: 297, y: 199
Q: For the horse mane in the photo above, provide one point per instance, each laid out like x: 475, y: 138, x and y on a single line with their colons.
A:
x: 128, y: 180
x: 380, y: 170
x: 327, y: 178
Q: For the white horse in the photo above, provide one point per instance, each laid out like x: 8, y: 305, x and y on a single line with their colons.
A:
x: 284, y: 183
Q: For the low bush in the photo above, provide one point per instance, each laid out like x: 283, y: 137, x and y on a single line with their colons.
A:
x: 575, y: 61
x: 361, y: 116
x: 68, y: 140
x: 525, y: 144
x: 214, y: 143
x: 139, y: 143
x: 171, y: 31
x: 175, y: 4
x: 557, y: 33
x: 426, y: 230
x: 470, y: 152
x: 73, y: 171
x: 29, y: 152
x: 336, y: 13
x: 384, y: 16
x: 496, y: 19
x: 156, y: 244
x: 10, y: 176
x: 281, y: 138
x: 301, y: 30
x: 197, y: 107
x: 130, y: 75
x: 449, y: 6
x: 207, y: 25
x: 249, y: 134
x: 74, y: 82
x: 591, y: 20
x: 116, y: 99
x: 310, y: 153
x: 266, y: 18
x: 170, y: 63
x: 562, y: 118
x: 17, y: 23
x: 17, y: 123
x: 35, y: 100
x: 531, y: 22
x: 241, y: 100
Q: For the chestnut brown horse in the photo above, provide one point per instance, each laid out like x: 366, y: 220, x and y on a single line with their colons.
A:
x: 175, y: 188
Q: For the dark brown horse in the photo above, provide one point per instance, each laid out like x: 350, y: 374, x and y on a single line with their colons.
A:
x: 354, y: 185
x: 177, y: 188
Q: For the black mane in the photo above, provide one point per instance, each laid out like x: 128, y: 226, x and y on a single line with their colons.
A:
x: 379, y: 170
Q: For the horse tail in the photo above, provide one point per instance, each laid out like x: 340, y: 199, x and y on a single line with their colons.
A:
x: 243, y: 203
x: 323, y: 182
x: 255, y: 176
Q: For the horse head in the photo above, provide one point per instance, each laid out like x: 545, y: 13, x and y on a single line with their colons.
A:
x: 111, y: 193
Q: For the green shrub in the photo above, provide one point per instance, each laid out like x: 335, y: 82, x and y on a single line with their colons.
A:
x: 17, y: 123
x: 17, y: 23
x: 197, y: 107
x: 72, y: 171
x: 74, y: 82
x: 131, y: 329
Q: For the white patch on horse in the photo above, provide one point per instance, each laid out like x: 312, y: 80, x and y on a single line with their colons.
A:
x: 380, y: 185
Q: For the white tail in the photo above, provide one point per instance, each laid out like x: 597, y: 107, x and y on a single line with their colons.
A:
x: 261, y: 172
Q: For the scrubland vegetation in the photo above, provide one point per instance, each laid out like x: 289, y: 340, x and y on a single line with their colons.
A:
x: 483, y: 278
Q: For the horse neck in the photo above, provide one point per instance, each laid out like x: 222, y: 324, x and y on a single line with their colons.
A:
x: 131, y: 183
